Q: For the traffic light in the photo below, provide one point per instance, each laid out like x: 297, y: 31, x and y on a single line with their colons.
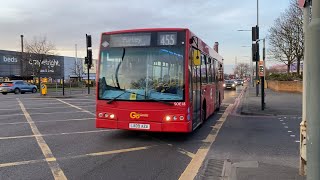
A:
x: 255, y: 44
x: 89, y: 58
x: 88, y: 40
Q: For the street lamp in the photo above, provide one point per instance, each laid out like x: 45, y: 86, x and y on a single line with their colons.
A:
x: 251, y: 66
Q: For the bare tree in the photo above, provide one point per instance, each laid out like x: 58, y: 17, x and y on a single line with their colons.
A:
x: 77, y: 69
x: 242, y: 69
x: 37, y: 52
x: 286, y: 37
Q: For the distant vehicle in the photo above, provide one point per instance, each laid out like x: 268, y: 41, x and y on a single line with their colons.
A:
x: 230, y: 84
x: 162, y: 79
x: 239, y: 82
x: 17, y: 86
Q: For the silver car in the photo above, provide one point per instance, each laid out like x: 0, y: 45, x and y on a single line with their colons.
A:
x: 17, y: 86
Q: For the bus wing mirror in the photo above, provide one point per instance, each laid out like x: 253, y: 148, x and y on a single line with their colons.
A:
x: 196, y: 58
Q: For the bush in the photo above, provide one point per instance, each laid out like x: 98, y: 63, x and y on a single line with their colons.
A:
x: 285, y: 77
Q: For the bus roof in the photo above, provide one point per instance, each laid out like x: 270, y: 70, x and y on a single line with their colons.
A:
x: 202, y: 45
x: 145, y: 29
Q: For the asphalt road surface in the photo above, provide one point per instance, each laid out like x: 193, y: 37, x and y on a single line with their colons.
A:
x: 47, y: 138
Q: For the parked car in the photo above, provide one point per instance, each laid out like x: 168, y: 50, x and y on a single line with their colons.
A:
x: 230, y: 84
x: 239, y: 82
x: 17, y: 86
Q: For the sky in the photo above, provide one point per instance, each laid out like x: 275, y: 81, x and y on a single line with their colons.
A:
x: 65, y: 22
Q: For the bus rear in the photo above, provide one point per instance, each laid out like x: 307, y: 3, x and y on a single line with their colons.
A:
x: 142, y: 78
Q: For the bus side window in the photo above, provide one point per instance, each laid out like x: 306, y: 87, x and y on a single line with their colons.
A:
x: 213, y: 62
x: 209, y: 72
x: 220, y: 72
x: 203, y: 69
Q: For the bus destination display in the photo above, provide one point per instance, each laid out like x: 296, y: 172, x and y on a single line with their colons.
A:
x: 125, y: 40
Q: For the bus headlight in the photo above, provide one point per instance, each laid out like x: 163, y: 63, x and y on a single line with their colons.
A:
x: 168, y: 118
x: 233, y: 85
x: 100, y: 115
x: 224, y: 85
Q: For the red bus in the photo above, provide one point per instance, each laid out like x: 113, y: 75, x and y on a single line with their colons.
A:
x: 161, y: 79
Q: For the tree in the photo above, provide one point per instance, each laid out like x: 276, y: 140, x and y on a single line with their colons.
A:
x: 242, y: 69
x: 38, y: 52
x: 77, y: 69
x: 286, y: 38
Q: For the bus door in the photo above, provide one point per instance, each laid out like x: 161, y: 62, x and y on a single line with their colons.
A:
x: 196, y: 95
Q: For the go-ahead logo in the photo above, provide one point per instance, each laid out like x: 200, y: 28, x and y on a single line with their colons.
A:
x: 10, y: 59
x: 135, y: 115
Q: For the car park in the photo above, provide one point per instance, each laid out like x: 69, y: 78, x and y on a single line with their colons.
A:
x: 230, y: 84
x: 17, y: 86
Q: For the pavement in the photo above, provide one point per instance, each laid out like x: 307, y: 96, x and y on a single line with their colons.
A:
x: 276, y: 103
x: 254, y: 144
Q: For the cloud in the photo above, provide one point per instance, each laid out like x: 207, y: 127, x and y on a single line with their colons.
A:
x: 65, y: 23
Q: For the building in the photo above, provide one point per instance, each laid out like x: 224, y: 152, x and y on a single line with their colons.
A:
x: 55, y: 68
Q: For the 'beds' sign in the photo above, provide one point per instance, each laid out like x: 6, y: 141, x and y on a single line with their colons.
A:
x: 10, y: 59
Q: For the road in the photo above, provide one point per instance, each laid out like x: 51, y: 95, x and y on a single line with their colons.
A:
x: 40, y: 137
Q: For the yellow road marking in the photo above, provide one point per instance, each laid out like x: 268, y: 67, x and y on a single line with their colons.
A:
x: 193, y: 167
x: 182, y: 151
x: 42, y: 135
x: 21, y: 163
x: 53, y: 165
x: 11, y: 115
x: 52, y: 159
x: 82, y: 119
x: 77, y: 107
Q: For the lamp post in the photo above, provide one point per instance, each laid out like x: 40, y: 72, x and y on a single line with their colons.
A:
x: 264, y: 72
x: 251, y: 66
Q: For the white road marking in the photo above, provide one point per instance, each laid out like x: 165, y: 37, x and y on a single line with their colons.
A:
x: 289, y: 131
x: 292, y: 135
x: 55, y: 112
x: 80, y: 119
x: 286, y: 127
x: 51, y: 160
x: 297, y: 141
x: 77, y: 107
x: 283, y: 123
x: 281, y: 120
x: 77, y: 156
x: 57, y: 134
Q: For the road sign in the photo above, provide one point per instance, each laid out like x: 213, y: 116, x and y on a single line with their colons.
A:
x: 261, y: 68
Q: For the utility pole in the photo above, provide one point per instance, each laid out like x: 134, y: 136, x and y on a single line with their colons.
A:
x: 257, y: 46
x: 303, y: 124
x: 88, y: 59
x: 312, y: 93
x: 21, y: 60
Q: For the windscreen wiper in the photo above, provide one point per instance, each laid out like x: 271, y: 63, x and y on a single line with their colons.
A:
x: 148, y: 98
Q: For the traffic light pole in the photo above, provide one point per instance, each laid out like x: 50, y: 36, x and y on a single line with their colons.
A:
x: 88, y: 59
x: 262, y: 77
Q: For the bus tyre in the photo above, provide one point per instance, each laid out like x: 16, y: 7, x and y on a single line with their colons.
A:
x: 17, y: 91
x: 4, y: 93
